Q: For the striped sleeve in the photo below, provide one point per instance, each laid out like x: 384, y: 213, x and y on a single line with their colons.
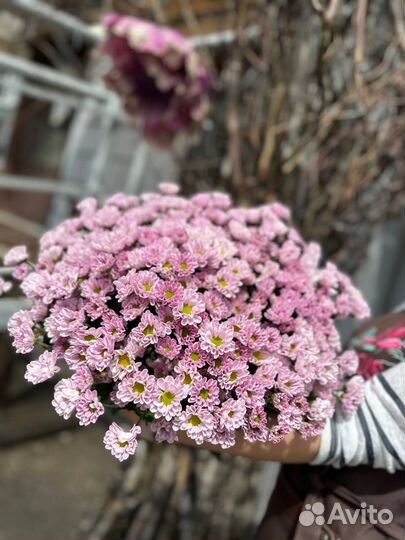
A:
x: 375, y: 435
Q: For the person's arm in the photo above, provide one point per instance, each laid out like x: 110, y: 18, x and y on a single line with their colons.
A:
x: 375, y: 435
x: 293, y: 449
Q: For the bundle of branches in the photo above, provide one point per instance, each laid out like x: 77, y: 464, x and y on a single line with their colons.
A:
x: 311, y: 113
x: 180, y: 494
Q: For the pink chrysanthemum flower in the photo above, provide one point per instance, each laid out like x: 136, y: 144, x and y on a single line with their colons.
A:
x: 255, y: 427
x: 169, y: 292
x: 15, y: 255
x: 89, y: 408
x: 5, y: 286
x: 289, y: 382
x: 251, y: 392
x: 195, y: 356
x: 184, y: 264
x: 224, y: 438
x: 189, y: 308
x: 217, y: 338
x: 163, y: 431
x: 253, y: 336
x: 137, y: 387
x: 158, y: 75
x: 353, y: 395
x: 232, y: 413
x: 20, y: 328
x: 217, y: 306
x: 168, y: 347
x: 227, y: 283
x: 186, y: 334
x: 267, y: 373
x: 100, y: 354
x: 149, y: 330
x: 167, y: 399
x: 66, y: 397
x: 124, y: 363
x: 42, y: 369
x: 205, y: 392
x: 233, y: 372
x: 186, y: 374
x: 121, y: 444
x: 320, y: 410
x: 144, y: 284
x: 197, y: 422
x: 133, y: 306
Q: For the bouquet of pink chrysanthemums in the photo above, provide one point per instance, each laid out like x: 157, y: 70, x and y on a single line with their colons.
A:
x: 199, y: 316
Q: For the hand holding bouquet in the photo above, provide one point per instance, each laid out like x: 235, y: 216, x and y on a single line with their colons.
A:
x: 199, y: 316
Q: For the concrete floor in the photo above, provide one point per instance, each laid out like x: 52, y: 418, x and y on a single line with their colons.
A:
x: 50, y: 489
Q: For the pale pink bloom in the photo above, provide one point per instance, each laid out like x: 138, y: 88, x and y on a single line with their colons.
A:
x: 189, y: 308
x: 168, y: 188
x: 89, y: 408
x: 353, y: 394
x: 5, y: 286
x: 224, y: 438
x: 137, y: 387
x: 217, y: 338
x: 167, y: 398
x: 205, y: 392
x: 197, y: 422
x: 42, y: 369
x: 231, y: 413
x: 149, y: 330
x: 168, y: 347
x: 20, y: 328
x: 163, y: 431
x: 66, y: 397
x: 320, y: 410
x: 121, y: 444
x: 15, y: 255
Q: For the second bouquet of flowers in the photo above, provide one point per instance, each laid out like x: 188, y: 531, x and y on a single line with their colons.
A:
x: 199, y: 316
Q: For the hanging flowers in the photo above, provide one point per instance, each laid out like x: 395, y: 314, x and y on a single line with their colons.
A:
x: 158, y: 75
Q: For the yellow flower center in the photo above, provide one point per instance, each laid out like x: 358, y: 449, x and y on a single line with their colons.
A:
x: 194, y: 420
x: 138, y: 388
x: 148, y: 287
x: 217, y: 341
x: 169, y: 294
x: 167, y: 398
x: 124, y: 360
x: 195, y: 357
x: 187, y: 379
x: 204, y: 393
x: 123, y: 444
x: 233, y: 377
x: 187, y: 309
x: 184, y: 266
x: 223, y: 282
x: 149, y: 330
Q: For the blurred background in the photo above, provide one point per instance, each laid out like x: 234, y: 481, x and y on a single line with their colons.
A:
x: 308, y: 108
